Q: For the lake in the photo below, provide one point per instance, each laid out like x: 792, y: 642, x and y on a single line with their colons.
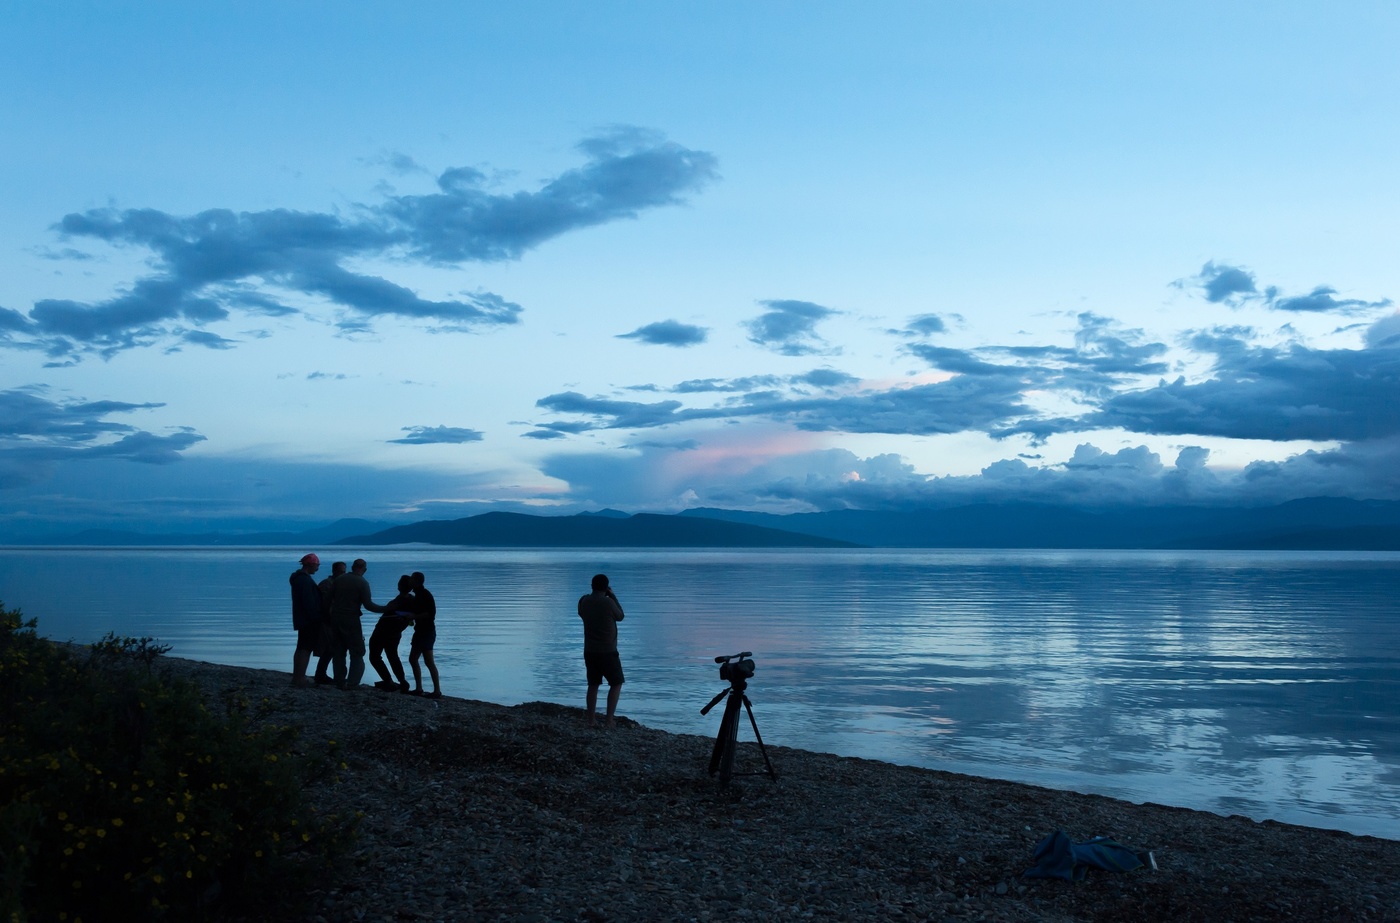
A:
x: 1254, y: 683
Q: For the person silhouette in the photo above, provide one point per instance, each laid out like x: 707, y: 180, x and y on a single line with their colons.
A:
x: 384, y: 640
x: 351, y: 593
x: 601, y: 612
x: 306, y: 616
x: 424, y: 637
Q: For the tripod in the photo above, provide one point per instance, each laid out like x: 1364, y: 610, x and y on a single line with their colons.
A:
x: 722, y: 759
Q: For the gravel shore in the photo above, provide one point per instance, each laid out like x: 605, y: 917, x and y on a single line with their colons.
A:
x: 475, y: 811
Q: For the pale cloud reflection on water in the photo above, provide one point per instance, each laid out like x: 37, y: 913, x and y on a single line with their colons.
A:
x: 1262, y: 684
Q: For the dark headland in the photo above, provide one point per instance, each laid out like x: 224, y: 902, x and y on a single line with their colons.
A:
x: 474, y: 811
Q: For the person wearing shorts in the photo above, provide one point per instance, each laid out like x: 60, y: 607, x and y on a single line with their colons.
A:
x: 601, y: 612
x: 424, y: 636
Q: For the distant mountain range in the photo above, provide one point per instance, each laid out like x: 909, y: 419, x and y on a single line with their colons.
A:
x: 320, y: 535
x: 1313, y: 524
x: 591, y: 530
x: 1320, y: 523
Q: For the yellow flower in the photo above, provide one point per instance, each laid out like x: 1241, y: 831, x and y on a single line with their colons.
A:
x: 101, y: 833
x: 179, y: 817
x: 117, y: 822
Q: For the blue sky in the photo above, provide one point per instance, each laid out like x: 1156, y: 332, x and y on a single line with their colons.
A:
x: 312, y: 260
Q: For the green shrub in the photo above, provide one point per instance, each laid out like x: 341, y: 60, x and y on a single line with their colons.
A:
x: 123, y: 796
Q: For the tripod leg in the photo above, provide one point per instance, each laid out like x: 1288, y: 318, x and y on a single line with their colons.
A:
x: 772, y: 773
x: 721, y: 736
x: 729, y: 735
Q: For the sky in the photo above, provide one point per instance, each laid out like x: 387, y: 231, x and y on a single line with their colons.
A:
x: 286, y: 263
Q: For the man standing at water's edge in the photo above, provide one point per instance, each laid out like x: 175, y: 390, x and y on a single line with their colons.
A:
x: 601, y: 612
x: 325, y: 650
x: 306, y: 616
x: 351, y: 592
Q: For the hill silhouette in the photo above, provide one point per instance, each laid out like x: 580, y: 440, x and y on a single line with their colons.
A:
x: 644, y: 530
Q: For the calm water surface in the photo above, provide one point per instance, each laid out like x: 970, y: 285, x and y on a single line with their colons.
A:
x: 1254, y: 683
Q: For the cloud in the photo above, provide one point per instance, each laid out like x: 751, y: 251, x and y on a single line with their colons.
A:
x: 1221, y: 282
x: 1384, y: 333
x: 437, y: 435
x: 986, y: 393
x: 825, y: 379
x: 1322, y: 300
x: 659, y: 478
x: 628, y: 170
x: 790, y: 327
x: 207, y: 339
x: 960, y: 404
x: 925, y: 325
x: 667, y: 333
x: 1283, y: 393
x: 1235, y: 286
x: 1276, y: 393
x: 1102, y: 359
x: 208, y: 265
x: 745, y: 384
x: 36, y: 434
x: 12, y: 320
x: 822, y: 379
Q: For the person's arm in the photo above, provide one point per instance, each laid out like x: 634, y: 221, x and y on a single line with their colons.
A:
x: 369, y: 603
x: 615, y: 606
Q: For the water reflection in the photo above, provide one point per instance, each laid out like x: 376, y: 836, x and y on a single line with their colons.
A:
x: 1262, y: 684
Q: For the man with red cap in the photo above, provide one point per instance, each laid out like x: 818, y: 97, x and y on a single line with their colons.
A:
x: 306, y: 616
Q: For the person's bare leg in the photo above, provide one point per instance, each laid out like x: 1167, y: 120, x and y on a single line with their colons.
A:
x: 432, y: 671
x: 417, y: 673
x: 613, y: 693
x: 300, y: 661
x: 592, y: 701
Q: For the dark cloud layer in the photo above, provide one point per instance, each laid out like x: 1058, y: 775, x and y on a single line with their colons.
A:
x: 37, y: 433
x: 208, y: 265
x: 957, y: 405
x: 1252, y: 392
x: 1283, y: 393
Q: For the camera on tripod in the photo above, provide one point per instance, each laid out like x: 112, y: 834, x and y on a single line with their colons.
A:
x: 736, y: 668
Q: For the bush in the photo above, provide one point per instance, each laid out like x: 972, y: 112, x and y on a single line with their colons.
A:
x: 123, y: 796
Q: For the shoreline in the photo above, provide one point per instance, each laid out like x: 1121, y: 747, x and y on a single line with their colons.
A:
x: 477, y: 811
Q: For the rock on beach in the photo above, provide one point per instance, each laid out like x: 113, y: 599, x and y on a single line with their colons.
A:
x: 475, y: 811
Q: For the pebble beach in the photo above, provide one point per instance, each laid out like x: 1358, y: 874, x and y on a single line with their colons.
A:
x: 476, y: 811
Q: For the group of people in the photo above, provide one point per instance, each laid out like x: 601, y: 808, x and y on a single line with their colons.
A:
x: 326, y: 617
